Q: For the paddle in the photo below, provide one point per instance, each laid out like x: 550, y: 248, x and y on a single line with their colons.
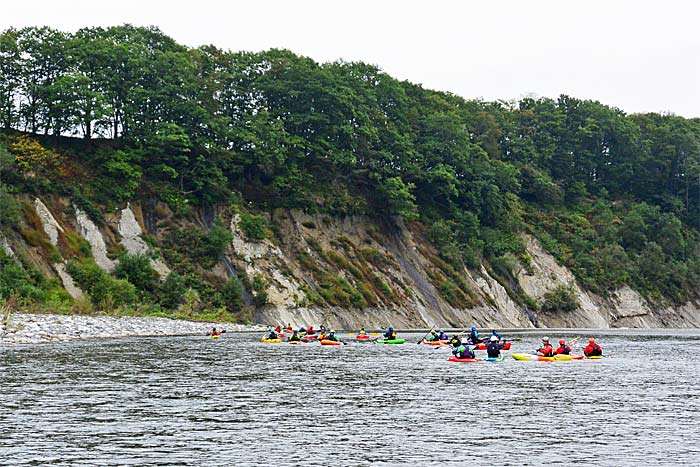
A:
x: 423, y: 338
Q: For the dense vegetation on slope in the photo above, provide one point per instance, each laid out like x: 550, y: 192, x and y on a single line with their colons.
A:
x: 614, y: 197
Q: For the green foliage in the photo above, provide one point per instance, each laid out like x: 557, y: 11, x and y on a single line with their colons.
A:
x: 232, y: 294
x: 561, y: 298
x: 138, y: 271
x: 15, y: 280
x: 172, y: 291
x: 104, y: 290
x: 10, y: 210
x: 260, y: 288
x: 254, y: 227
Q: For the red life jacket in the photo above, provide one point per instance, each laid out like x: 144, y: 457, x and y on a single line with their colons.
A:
x: 563, y: 350
x: 547, y: 350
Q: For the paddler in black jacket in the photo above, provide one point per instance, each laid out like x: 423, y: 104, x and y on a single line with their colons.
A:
x: 493, y: 347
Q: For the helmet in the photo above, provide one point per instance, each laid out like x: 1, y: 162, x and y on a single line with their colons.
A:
x: 561, y: 342
x: 332, y: 331
x: 391, y: 328
x: 473, y: 328
x: 493, y: 339
x: 591, y: 341
x: 545, y: 339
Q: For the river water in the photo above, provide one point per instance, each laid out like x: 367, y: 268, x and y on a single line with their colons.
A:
x: 236, y: 401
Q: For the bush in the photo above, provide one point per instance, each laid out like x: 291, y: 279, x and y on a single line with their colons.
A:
x: 172, y: 291
x: 260, y: 289
x: 137, y: 270
x: 10, y: 210
x: 232, y: 294
x: 254, y: 227
x: 214, y: 243
x: 561, y: 298
x: 104, y: 290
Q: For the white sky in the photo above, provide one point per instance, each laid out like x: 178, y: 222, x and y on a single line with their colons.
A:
x: 638, y: 55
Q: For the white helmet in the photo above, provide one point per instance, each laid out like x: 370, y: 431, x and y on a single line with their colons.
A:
x: 493, y: 339
x: 545, y: 339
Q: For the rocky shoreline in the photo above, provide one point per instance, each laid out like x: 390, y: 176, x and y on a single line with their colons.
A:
x: 24, y: 328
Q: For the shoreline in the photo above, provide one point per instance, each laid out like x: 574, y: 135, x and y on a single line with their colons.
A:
x: 31, y: 328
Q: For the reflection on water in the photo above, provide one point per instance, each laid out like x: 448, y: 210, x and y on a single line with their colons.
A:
x: 236, y: 401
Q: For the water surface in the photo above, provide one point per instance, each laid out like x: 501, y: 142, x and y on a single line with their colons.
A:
x: 236, y: 401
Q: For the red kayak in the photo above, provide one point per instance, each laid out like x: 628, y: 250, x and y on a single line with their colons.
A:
x: 311, y: 336
x: 327, y: 342
x: 464, y: 360
x: 362, y: 336
x: 482, y: 346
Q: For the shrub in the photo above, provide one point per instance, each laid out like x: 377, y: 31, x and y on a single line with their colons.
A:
x: 137, y: 270
x: 561, y: 298
x: 254, y: 227
x: 10, y: 210
x: 232, y: 294
x: 260, y: 289
x: 104, y: 290
x: 172, y: 291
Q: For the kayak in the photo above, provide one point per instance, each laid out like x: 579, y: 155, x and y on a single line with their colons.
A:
x: 464, y: 360
x: 482, y: 346
x: 271, y: 341
x: 435, y: 342
x: 215, y: 336
x: 311, y: 336
x: 540, y: 358
x: 294, y: 342
x: 495, y: 359
x: 362, y: 336
x: 390, y: 341
x: 594, y: 357
x: 327, y: 342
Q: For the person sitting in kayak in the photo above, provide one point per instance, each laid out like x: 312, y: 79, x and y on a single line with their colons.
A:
x: 494, y: 333
x: 302, y: 330
x: 455, y: 341
x: 463, y: 351
x: 271, y: 334
x: 474, y: 336
x: 493, y: 347
x: 433, y: 336
x: 278, y: 329
x: 323, y: 329
x: 311, y: 331
x: 563, y: 349
x: 214, y: 332
x: 362, y: 331
x: 442, y: 335
x: 294, y: 337
x: 390, y: 334
x: 331, y: 336
x: 592, y: 349
x: 546, y: 350
x: 289, y: 327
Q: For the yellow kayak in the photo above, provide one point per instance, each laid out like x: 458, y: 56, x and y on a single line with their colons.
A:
x: 540, y: 358
x: 271, y: 341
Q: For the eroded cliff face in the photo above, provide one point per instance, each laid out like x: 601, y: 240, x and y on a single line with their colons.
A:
x: 343, y: 272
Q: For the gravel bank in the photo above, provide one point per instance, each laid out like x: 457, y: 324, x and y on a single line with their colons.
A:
x: 36, y: 328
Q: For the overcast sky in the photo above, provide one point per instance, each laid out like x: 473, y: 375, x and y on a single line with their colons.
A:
x: 640, y: 56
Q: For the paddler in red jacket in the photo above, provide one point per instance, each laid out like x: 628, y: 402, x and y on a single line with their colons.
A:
x: 546, y: 350
x: 592, y: 349
x: 563, y: 349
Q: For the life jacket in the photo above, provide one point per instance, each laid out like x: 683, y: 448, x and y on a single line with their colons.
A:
x: 563, y: 350
x: 593, y: 350
x: 278, y: 329
x: 443, y: 337
x: 474, y: 337
x: 547, y: 350
x: 455, y: 341
x: 390, y: 334
x: 362, y: 332
x: 463, y: 351
x: 273, y: 335
x: 294, y: 337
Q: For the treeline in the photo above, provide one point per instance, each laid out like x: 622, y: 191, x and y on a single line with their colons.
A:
x: 605, y: 191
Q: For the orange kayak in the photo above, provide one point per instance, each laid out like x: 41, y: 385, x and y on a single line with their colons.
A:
x: 435, y: 342
x: 327, y: 342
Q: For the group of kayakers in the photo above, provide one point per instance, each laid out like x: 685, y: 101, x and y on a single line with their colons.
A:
x: 547, y: 350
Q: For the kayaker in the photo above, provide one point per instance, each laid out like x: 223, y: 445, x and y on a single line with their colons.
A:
x: 455, y: 341
x: 442, y: 335
x: 390, y: 334
x: 214, y: 332
x: 294, y: 337
x: 331, y: 336
x: 592, y: 349
x: 433, y: 336
x: 494, y: 333
x: 311, y: 331
x: 271, y: 334
x: 563, y: 349
x: 493, y: 347
x: 289, y: 327
x: 362, y: 331
x: 278, y: 329
x: 463, y: 351
x: 302, y: 330
x: 474, y: 336
x: 546, y: 350
x: 323, y: 329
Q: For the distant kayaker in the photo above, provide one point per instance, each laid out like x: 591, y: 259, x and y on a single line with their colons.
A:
x: 214, y: 332
x: 463, y: 351
x: 362, y: 331
x: 592, y: 349
x: 323, y: 329
x: 278, y: 329
x: 271, y: 334
x: 442, y: 335
x: 455, y: 341
x: 546, y: 350
x: 294, y: 337
x: 330, y: 336
x: 494, y: 333
x: 390, y: 333
x: 474, y: 336
x: 432, y: 336
x: 493, y: 347
x: 302, y: 330
x: 563, y: 349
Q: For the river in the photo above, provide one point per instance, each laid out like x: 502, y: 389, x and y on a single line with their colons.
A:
x: 236, y: 401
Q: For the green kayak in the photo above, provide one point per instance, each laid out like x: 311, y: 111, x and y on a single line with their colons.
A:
x: 390, y: 341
